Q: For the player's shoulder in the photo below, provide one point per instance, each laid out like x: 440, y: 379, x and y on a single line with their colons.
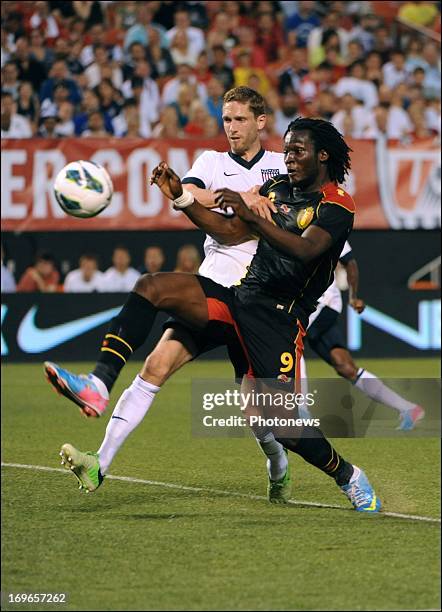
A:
x: 275, y: 182
x: 335, y: 194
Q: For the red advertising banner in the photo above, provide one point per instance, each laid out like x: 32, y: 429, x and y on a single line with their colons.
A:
x: 394, y: 186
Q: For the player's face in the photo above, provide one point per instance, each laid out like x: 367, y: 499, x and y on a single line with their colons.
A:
x: 304, y: 164
x: 241, y: 126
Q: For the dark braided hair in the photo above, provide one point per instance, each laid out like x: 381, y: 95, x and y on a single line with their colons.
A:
x: 326, y: 137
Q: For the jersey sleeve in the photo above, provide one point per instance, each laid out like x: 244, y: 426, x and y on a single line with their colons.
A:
x: 334, y: 219
x: 202, y: 172
x: 346, y: 253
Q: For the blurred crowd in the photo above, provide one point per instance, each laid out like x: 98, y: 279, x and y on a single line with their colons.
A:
x: 160, y: 69
x: 44, y: 276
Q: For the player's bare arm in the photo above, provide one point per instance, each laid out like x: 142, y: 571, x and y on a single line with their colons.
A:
x: 226, y: 230
x: 351, y: 267
x: 312, y: 243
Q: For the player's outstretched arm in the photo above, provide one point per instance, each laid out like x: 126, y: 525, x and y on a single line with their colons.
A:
x: 226, y: 230
x: 313, y: 242
x: 351, y: 267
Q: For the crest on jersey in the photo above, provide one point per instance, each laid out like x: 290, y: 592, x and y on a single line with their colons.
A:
x: 305, y: 217
x: 268, y: 174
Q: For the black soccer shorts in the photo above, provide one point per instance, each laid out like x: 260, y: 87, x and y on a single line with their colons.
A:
x: 264, y: 340
x: 325, y: 334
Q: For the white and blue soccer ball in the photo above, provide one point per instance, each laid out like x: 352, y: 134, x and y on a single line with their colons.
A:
x: 83, y: 189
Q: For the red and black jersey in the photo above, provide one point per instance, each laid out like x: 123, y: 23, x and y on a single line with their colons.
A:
x: 285, y: 278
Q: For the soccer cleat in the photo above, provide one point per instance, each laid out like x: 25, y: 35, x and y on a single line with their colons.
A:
x: 360, y: 492
x: 279, y: 491
x: 410, y: 418
x: 80, y: 389
x: 84, y: 466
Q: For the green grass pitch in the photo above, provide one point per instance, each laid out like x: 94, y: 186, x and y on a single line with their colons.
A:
x: 138, y: 546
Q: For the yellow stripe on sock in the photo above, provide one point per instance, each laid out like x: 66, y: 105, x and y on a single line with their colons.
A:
x: 115, y: 353
x: 121, y: 340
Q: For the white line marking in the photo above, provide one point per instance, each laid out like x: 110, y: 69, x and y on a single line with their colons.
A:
x: 170, y: 485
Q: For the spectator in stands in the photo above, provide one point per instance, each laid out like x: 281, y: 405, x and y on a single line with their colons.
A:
x: 7, y: 48
x: 186, y: 95
x: 287, y: 112
x: 382, y: 42
x: 188, y: 259
x: 126, y: 14
x: 315, y: 81
x: 146, y: 93
x: 432, y: 116
x: 86, y: 278
x: 59, y: 73
x: 65, y: 125
x: 29, y: 69
x: 211, y: 127
x: 358, y: 86
x: 111, y: 100
x: 39, y: 51
x: 214, y: 102
x: 120, y: 277
x: 413, y: 55
x: 202, y: 68
x: 159, y: 57
x: 290, y: 79
x: 247, y: 43
x: 168, y: 126
x: 48, y: 122
x: 198, y: 114
x: 220, y: 34
x: 220, y: 69
x: 10, y: 82
x: 394, y: 71
x: 301, y: 23
x: 90, y: 103
x: 270, y: 36
x: 327, y: 104
x: 97, y: 35
x: 194, y: 35
x: 245, y: 70
x: 7, y: 279
x: 13, y: 125
x: 89, y: 12
x: 184, y: 76
x: 355, y: 51
x: 42, y: 277
x: 94, y: 72
x: 141, y: 31
x: 330, y: 21
x: 153, y: 260
x: 432, y: 81
x: 181, y: 50
x: 43, y: 20
x: 95, y: 126
x: 136, y: 52
x: 353, y: 120
x: 27, y: 103
x: 373, y: 68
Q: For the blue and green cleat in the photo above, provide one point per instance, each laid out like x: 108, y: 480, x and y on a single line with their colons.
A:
x: 84, y: 466
x: 360, y: 492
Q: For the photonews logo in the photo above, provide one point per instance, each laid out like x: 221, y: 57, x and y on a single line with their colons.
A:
x: 33, y: 339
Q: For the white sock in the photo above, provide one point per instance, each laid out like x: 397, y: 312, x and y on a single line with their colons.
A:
x: 372, y: 386
x: 276, y: 457
x: 130, y: 410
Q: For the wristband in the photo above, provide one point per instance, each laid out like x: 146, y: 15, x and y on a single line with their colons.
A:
x: 185, y: 200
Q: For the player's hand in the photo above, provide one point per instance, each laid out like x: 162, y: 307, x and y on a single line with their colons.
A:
x: 167, y: 181
x: 357, y: 304
x: 226, y: 198
x: 257, y: 203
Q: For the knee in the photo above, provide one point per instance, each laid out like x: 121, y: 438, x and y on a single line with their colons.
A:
x: 346, y: 369
x: 147, y: 287
x: 157, y: 368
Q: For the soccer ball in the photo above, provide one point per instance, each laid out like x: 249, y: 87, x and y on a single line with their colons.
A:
x: 83, y: 189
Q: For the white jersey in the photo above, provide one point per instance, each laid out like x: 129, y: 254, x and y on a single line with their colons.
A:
x: 332, y: 296
x: 213, y: 170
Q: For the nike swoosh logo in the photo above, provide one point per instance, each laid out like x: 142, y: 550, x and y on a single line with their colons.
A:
x: 32, y: 339
x: 235, y: 174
